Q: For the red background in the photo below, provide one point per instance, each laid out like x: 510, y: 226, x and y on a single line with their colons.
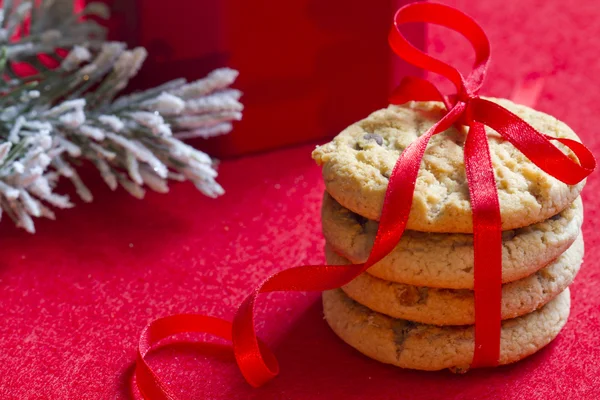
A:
x: 76, y: 295
x: 310, y: 67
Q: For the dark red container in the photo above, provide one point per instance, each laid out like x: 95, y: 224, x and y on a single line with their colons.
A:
x: 307, y: 68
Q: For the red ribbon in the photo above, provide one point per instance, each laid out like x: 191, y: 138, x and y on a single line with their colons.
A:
x: 255, y: 360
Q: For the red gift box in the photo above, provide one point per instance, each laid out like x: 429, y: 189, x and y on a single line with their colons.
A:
x: 299, y: 67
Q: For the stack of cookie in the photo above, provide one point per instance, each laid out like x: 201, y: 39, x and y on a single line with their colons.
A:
x: 415, y: 308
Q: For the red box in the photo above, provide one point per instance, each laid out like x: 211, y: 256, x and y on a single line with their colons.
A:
x: 308, y: 68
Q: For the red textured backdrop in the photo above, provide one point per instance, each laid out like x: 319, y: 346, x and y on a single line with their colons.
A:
x: 76, y: 295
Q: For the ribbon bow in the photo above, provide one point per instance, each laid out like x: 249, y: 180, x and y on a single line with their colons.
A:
x: 255, y: 360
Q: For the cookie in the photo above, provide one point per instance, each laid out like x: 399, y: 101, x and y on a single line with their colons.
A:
x: 429, y: 347
x: 446, y: 260
x: 358, y: 162
x: 456, y: 306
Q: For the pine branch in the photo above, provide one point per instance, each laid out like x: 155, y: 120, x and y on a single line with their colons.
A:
x: 57, y: 116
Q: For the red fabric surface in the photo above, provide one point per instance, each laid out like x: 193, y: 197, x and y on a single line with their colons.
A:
x: 76, y: 295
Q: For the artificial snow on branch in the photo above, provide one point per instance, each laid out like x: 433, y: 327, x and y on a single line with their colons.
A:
x: 72, y: 110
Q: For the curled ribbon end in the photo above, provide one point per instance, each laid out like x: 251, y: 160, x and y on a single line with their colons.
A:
x: 258, y: 369
x: 265, y: 378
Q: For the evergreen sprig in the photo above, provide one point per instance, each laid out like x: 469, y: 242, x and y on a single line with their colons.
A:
x: 59, y: 114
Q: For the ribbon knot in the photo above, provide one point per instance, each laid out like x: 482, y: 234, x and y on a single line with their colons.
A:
x: 465, y: 96
x: 256, y: 362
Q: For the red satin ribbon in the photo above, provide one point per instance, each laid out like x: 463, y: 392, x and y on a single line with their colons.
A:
x: 255, y: 360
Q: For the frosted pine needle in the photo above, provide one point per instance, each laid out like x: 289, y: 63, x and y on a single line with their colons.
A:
x: 74, y: 111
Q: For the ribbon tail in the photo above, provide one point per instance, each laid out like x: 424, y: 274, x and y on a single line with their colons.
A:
x: 401, y: 187
x: 255, y: 360
x: 534, y: 145
x: 150, y: 386
x: 487, y: 243
x: 258, y: 365
x: 584, y: 155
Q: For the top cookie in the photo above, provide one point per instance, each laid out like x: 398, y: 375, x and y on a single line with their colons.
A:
x: 358, y: 162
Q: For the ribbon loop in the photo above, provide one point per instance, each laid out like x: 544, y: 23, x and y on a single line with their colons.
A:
x: 455, y: 20
x: 534, y: 145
